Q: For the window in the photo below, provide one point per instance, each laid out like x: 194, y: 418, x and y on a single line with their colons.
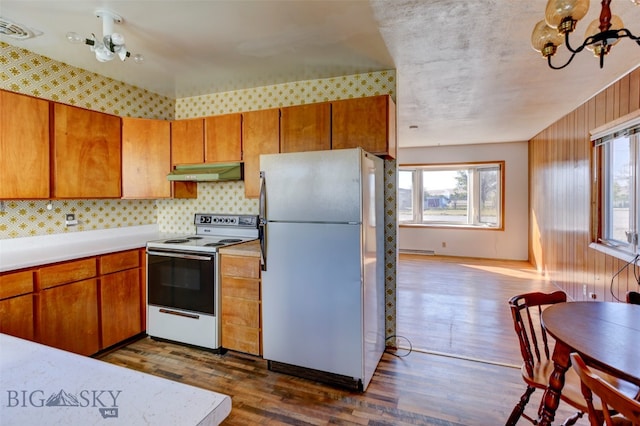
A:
x: 467, y: 195
x: 617, y: 191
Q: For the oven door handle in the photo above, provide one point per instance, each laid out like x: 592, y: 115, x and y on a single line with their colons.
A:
x: 179, y: 255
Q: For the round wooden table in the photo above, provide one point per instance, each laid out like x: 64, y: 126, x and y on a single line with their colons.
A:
x: 605, y: 334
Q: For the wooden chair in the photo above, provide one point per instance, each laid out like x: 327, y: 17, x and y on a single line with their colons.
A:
x: 535, y: 350
x: 633, y: 297
x: 526, y: 311
x: 612, y: 400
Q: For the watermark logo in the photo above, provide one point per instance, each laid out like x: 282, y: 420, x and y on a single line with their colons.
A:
x: 106, y: 401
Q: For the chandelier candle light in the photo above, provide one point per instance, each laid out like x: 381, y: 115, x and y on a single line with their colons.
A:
x: 561, y: 17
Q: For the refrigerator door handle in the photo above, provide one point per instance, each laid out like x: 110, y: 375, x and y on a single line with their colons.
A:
x: 262, y: 223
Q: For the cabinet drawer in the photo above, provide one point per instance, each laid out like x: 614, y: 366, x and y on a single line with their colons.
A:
x: 15, y: 284
x: 245, y: 288
x: 240, y: 266
x: 51, y: 276
x: 240, y: 312
x: 243, y: 339
x: 118, y: 261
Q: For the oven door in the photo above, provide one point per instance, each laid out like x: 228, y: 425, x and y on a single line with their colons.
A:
x: 181, y: 280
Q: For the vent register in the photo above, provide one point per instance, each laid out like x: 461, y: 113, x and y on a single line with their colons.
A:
x: 15, y: 30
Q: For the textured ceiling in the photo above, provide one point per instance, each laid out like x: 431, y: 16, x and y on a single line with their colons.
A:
x: 466, y: 71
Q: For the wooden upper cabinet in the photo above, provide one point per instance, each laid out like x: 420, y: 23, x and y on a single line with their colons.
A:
x: 260, y: 135
x: 223, y: 138
x: 24, y: 147
x: 86, y: 153
x: 369, y: 123
x: 305, y: 128
x: 146, y: 158
x: 187, y: 141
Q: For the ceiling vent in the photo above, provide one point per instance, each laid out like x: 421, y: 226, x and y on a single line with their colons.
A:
x: 17, y: 31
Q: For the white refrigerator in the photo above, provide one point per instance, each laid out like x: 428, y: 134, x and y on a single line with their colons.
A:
x: 323, y: 264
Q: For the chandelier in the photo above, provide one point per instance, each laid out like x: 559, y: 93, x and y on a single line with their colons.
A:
x: 561, y: 17
x: 111, y: 44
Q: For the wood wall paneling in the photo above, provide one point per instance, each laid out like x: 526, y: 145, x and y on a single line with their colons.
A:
x: 560, y: 159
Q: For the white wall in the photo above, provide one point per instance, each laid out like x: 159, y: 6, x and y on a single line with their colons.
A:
x: 510, y: 243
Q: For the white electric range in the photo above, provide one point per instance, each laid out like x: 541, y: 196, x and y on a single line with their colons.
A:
x: 183, y: 290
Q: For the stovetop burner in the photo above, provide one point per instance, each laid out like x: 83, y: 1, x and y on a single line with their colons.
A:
x: 212, y: 231
x: 214, y: 244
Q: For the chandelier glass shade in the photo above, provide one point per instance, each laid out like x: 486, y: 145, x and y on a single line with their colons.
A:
x: 561, y: 17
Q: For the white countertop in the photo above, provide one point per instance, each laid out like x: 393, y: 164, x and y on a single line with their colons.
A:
x: 46, y: 386
x: 17, y: 253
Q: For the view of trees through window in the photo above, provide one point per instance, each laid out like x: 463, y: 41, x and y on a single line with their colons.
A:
x: 468, y: 195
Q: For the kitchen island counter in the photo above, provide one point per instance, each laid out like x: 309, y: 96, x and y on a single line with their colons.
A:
x: 18, y: 253
x: 46, y: 386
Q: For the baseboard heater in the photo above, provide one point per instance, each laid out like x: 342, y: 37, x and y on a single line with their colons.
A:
x: 424, y: 252
x: 317, y: 375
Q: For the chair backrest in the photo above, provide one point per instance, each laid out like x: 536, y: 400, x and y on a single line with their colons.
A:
x: 525, y: 310
x: 611, y: 397
x: 633, y: 297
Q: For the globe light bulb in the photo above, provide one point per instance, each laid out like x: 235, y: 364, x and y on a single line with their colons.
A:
x: 75, y: 38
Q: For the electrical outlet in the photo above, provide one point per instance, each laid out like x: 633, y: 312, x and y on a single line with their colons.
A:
x: 584, y: 289
x: 444, y: 244
x: 70, y: 219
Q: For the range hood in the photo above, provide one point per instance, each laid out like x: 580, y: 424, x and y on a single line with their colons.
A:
x: 206, y: 172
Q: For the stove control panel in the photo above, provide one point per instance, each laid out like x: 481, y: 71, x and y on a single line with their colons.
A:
x: 205, y: 219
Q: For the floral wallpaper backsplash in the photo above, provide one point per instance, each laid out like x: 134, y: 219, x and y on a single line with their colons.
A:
x: 25, y: 72
x: 19, y: 218
x: 176, y: 216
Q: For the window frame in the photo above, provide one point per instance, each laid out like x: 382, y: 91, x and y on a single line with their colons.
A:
x: 416, y: 195
x: 602, y: 140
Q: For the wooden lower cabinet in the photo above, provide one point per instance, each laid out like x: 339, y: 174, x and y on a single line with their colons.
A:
x: 16, y: 304
x: 16, y: 316
x: 120, y: 306
x: 241, y: 303
x: 120, y: 297
x: 68, y: 317
x: 82, y: 306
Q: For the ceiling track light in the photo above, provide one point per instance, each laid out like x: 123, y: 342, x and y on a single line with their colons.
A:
x: 561, y: 17
x: 111, y: 45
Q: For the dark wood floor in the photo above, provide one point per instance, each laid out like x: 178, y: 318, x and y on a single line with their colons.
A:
x: 462, y: 370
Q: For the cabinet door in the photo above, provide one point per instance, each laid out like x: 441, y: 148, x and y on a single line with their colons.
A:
x: 146, y: 158
x: 260, y: 135
x: 187, y: 141
x: 241, y: 305
x: 306, y: 128
x: 86, y: 154
x: 16, y: 316
x: 120, y: 306
x: 364, y: 122
x: 68, y: 317
x: 24, y: 147
x: 223, y: 138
